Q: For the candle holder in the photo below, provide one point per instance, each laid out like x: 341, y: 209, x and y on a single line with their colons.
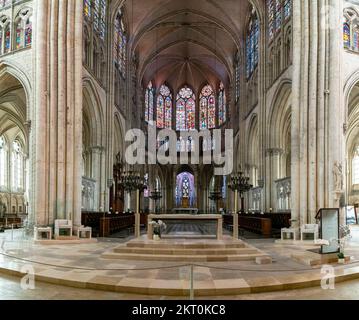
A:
x: 215, y: 195
x: 156, y: 195
x: 239, y: 183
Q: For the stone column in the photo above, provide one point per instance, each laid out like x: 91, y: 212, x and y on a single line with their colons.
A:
x: 96, y: 155
x: 58, y: 110
x: 336, y: 110
x: 317, y: 115
x: 41, y: 36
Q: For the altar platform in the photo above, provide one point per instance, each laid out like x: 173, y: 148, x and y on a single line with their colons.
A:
x: 186, y: 217
x: 89, y: 266
x: 189, y: 250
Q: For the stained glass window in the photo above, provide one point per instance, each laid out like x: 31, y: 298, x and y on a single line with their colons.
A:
x: 238, y: 80
x: 102, y: 19
x: 271, y: 20
x: 87, y: 9
x: 28, y: 32
x: 18, y: 35
x: 207, y: 111
x: 95, y: 12
x: 186, y: 109
x: 346, y: 35
x: 120, y: 43
x: 3, y: 163
x: 149, y: 102
x: 7, y: 39
x: 17, y: 166
x: 287, y: 9
x: 224, y: 188
x: 278, y: 15
x: 222, y: 105
x: 252, y: 45
x: 185, y: 187
x: 164, y: 108
x: 356, y: 40
x: 278, y: 11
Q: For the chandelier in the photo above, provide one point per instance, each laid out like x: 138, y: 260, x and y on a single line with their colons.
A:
x: 239, y: 182
x: 155, y: 196
x: 131, y: 180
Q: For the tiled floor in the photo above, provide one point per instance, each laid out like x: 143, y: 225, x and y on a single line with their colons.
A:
x: 82, y: 265
x: 10, y: 289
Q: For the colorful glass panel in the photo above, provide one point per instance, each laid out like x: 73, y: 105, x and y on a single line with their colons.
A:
x: 7, y: 39
x: 278, y: 15
x: 287, y: 9
x: 149, y: 102
x: 356, y: 40
x: 271, y: 19
x: 346, y: 35
x: 87, y: 9
x: 164, y: 108
x: 252, y: 45
x: 120, y: 43
x: 222, y: 105
x: 28, y: 32
x: 18, y: 35
x: 160, y: 114
x: 207, y: 108
x: 186, y: 109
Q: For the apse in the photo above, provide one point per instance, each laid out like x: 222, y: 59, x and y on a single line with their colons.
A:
x: 185, y: 190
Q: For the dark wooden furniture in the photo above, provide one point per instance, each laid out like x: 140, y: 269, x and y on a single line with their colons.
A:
x: 8, y: 223
x: 259, y: 225
x: 104, y: 224
x: 278, y: 221
x: 111, y: 225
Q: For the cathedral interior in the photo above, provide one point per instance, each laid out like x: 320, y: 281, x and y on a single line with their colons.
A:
x: 271, y: 86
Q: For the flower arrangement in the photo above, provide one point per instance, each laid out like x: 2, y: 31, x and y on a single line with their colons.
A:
x: 344, y: 236
x: 158, y: 227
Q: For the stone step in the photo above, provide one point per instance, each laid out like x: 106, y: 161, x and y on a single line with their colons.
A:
x: 66, y: 238
x: 187, y: 251
x: 183, y: 245
x: 183, y: 258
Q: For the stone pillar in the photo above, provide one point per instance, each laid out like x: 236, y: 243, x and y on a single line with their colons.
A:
x: 317, y: 114
x: 58, y: 111
x: 96, y: 155
x: 41, y: 36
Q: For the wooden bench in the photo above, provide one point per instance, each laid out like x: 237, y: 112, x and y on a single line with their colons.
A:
x: 257, y: 225
x: 111, y: 225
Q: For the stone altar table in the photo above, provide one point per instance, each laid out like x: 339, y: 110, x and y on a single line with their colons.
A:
x: 202, y: 217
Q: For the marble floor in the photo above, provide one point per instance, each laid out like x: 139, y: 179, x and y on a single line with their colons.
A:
x: 82, y: 264
x: 10, y: 289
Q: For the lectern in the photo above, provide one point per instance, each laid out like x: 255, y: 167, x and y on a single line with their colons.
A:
x: 329, y: 229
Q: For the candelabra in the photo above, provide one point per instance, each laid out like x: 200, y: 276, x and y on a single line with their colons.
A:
x: 215, y: 195
x: 131, y: 180
x: 156, y: 195
x: 239, y: 183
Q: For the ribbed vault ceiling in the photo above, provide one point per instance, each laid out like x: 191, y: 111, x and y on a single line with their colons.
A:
x: 186, y: 41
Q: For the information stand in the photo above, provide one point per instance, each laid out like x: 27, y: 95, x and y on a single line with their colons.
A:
x: 329, y: 229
